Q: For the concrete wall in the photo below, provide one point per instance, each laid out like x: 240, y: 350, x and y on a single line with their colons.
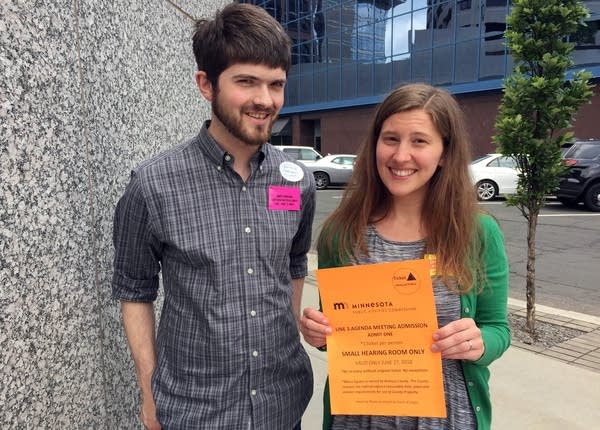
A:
x: 88, y: 90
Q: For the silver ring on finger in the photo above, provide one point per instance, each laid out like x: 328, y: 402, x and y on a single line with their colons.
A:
x: 470, y: 344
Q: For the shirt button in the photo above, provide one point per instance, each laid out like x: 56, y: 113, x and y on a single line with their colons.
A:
x: 253, y: 392
x: 227, y: 157
x: 244, y: 188
x: 250, y: 271
x: 248, y: 230
x: 219, y: 168
x: 478, y: 408
x: 467, y: 310
x: 470, y: 383
x: 254, y: 353
x: 252, y: 313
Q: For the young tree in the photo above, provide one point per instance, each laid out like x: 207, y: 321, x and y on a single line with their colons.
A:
x: 538, y: 106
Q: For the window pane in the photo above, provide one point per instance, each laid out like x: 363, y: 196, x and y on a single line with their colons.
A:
x: 349, y: 81
x: 465, y: 64
x: 443, y: 59
x: 587, y: 38
x: 365, y: 79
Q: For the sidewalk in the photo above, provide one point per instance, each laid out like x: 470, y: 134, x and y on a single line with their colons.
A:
x: 532, y: 389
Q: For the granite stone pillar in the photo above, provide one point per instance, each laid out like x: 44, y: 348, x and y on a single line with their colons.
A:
x: 88, y: 90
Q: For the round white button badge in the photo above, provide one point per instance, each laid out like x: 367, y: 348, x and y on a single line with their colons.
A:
x: 291, y: 171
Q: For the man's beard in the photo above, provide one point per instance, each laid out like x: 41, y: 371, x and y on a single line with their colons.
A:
x: 235, y: 126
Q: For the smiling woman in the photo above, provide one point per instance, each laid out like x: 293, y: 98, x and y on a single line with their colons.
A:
x: 411, y: 196
x: 408, y: 152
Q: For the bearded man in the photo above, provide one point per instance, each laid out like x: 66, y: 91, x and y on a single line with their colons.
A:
x: 227, y: 219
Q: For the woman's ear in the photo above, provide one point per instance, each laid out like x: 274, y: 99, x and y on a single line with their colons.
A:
x: 204, y: 85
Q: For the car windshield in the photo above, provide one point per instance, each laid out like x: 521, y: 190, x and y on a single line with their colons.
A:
x: 346, y: 161
x: 503, y: 162
x: 565, y: 148
x: 584, y: 151
x: 485, y: 157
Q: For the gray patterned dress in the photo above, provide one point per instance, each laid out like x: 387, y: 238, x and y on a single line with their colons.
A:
x: 460, y: 414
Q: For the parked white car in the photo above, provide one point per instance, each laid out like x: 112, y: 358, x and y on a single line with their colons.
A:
x: 303, y: 154
x: 333, y: 169
x: 494, y: 175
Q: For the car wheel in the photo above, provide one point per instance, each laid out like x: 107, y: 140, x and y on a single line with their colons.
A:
x: 570, y: 203
x: 591, y: 198
x: 486, y: 190
x: 321, y: 180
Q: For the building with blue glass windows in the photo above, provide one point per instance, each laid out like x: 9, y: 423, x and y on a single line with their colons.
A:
x: 348, y: 54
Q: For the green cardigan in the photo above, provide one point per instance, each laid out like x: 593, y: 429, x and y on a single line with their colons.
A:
x: 488, y: 309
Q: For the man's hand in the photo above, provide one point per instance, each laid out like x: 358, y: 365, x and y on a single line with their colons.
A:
x: 148, y: 414
x: 138, y: 321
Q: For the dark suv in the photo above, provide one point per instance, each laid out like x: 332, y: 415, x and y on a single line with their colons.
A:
x: 582, y: 182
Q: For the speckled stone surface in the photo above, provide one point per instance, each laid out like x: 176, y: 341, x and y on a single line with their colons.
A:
x: 88, y: 90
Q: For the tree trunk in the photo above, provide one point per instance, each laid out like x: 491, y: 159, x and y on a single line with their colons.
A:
x: 530, y: 283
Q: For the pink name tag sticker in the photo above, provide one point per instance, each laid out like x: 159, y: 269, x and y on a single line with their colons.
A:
x: 284, y: 198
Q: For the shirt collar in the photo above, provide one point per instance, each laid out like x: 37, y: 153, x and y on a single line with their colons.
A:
x: 217, y: 154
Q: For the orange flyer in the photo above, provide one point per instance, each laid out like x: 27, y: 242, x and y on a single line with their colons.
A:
x: 379, y: 354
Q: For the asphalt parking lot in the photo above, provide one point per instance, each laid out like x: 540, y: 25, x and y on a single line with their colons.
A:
x: 567, y: 251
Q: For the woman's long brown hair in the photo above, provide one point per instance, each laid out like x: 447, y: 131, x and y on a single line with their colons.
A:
x: 450, y: 208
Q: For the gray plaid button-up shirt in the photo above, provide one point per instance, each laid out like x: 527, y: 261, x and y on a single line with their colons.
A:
x: 229, y: 351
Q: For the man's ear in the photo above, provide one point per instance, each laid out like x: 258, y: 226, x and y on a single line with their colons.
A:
x: 204, y: 85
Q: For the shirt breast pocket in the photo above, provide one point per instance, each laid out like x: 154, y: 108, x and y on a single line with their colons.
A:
x: 279, y: 231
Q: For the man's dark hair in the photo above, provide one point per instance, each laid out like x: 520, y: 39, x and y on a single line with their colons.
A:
x: 240, y: 33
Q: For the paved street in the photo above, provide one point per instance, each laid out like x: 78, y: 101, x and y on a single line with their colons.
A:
x: 568, y: 255
x: 567, y: 244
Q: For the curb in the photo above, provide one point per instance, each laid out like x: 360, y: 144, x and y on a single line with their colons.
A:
x: 555, y: 311
x: 582, y: 350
